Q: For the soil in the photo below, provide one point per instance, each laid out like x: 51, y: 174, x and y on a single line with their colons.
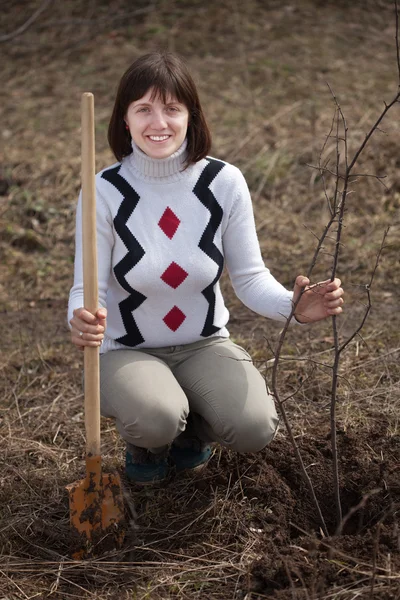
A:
x: 245, y: 528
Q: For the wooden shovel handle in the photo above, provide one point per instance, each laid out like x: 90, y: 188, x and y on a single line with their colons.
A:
x: 90, y: 285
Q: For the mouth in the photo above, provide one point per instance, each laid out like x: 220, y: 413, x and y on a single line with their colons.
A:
x: 158, y: 138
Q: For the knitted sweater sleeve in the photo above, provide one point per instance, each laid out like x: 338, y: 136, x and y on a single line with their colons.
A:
x: 105, y: 242
x: 253, y: 283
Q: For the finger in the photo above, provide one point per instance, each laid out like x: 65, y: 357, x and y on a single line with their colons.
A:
x: 333, y: 285
x: 299, y: 285
x: 302, y: 281
x: 80, y: 328
x: 328, y: 287
x: 101, y: 314
x: 319, y: 288
x: 334, y: 311
x: 80, y: 325
x: 87, y: 345
x: 81, y: 342
x: 334, y: 295
x: 334, y: 303
x: 87, y: 337
x: 84, y: 315
x: 82, y: 345
x: 102, y: 321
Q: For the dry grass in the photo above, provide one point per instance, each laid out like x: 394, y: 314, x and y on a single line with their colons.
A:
x: 244, y: 530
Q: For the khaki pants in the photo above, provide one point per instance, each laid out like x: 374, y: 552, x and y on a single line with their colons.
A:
x: 210, y: 389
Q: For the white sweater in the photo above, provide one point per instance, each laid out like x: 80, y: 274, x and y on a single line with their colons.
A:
x: 163, y: 237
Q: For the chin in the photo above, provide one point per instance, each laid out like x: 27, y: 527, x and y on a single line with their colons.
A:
x: 162, y: 153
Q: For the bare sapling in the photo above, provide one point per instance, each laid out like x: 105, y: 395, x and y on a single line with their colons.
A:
x: 344, y: 177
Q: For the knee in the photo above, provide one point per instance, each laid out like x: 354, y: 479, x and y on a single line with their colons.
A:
x: 154, y: 429
x: 254, y: 435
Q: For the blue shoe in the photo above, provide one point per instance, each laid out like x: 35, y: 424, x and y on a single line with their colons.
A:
x: 145, y: 468
x: 190, y: 458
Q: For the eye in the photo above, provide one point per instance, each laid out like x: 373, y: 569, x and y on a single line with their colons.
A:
x: 173, y: 108
x: 143, y: 109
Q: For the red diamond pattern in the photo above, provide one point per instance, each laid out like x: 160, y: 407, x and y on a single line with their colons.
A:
x: 174, y: 318
x: 169, y: 223
x: 174, y: 275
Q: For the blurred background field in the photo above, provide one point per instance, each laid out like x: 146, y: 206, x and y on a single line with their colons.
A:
x: 245, y: 529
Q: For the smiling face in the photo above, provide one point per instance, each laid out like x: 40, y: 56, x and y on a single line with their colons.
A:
x: 158, y: 128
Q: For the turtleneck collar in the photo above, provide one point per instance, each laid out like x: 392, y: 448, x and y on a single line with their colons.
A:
x: 157, y: 169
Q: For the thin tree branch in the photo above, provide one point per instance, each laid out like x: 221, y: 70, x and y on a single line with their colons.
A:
x: 368, y: 290
x: 335, y: 193
x: 354, y: 509
x: 352, y: 176
x: 296, y: 391
x: 338, y: 349
x: 322, y: 170
x: 340, y: 208
x: 275, y: 392
x: 27, y: 24
x: 304, y: 473
x: 372, y: 130
x: 337, y: 211
x: 326, y: 170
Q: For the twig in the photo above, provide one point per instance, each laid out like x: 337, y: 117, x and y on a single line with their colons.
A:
x: 296, y: 448
x: 341, y: 209
x: 368, y: 290
x: 374, y: 560
x: 372, y: 131
x: 289, y: 576
x: 27, y: 24
x: 274, y: 386
x: 354, y: 509
x: 350, y: 557
x: 337, y: 211
x: 373, y: 360
x: 296, y: 391
x: 339, y: 349
x: 322, y: 170
x: 13, y: 582
x: 335, y: 193
x: 319, y: 246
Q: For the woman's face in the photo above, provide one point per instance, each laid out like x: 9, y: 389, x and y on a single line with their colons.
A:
x: 157, y: 128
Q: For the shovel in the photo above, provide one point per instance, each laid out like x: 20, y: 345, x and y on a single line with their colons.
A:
x: 96, y: 502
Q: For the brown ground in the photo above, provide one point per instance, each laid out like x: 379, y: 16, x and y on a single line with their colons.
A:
x: 245, y: 528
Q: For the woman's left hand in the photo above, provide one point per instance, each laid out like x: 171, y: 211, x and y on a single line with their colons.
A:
x: 318, y: 301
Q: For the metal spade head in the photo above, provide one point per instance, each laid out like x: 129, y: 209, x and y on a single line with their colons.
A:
x: 96, y: 511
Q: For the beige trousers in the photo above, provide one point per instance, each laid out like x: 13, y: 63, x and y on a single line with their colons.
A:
x: 209, y: 389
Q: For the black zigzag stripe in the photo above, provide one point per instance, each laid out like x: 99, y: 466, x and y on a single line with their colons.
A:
x: 207, y: 198
x: 133, y: 337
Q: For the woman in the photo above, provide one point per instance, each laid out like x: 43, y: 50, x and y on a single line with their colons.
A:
x: 168, y: 218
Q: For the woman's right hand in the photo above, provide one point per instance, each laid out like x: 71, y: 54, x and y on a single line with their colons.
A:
x: 87, y: 329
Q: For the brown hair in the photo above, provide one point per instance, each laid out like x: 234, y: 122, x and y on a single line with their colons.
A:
x: 168, y: 75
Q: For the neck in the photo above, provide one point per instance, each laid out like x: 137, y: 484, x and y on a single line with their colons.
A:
x: 157, y: 169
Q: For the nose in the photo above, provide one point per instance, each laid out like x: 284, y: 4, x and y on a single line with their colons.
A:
x: 158, y: 120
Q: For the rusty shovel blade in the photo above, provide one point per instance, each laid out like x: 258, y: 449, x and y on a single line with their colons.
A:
x: 96, y: 511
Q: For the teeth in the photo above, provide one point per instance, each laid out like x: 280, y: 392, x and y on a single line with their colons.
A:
x: 158, y: 138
